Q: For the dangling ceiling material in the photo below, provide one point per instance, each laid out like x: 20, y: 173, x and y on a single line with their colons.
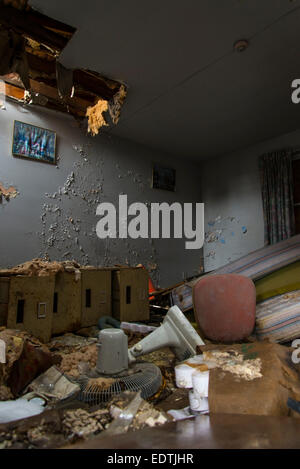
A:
x: 30, y: 47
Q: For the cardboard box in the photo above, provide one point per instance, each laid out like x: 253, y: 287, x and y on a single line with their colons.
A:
x: 95, y: 295
x: 66, y: 302
x: 4, y: 298
x: 130, y: 294
x: 30, y: 306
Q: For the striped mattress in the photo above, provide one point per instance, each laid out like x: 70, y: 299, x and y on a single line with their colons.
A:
x: 278, y: 318
x: 255, y: 265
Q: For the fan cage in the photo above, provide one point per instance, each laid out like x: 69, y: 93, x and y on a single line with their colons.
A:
x: 147, y: 379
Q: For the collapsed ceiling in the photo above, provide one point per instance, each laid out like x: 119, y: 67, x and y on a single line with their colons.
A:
x: 192, y: 94
x: 30, y: 47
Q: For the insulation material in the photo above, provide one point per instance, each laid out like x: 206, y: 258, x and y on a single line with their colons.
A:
x: 234, y: 363
x: 99, y: 384
x: 41, y: 268
x: 72, y: 362
x: 117, y: 103
x: 95, y: 116
x: 9, y: 193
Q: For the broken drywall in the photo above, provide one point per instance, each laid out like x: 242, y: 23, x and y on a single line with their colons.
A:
x: 7, y: 193
x: 116, y: 104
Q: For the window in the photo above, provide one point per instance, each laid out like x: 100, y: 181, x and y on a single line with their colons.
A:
x: 20, y: 311
x: 128, y: 295
x: 55, y: 302
x: 88, y: 298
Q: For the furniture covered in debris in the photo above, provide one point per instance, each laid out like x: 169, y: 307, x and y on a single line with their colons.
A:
x: 67, y: 301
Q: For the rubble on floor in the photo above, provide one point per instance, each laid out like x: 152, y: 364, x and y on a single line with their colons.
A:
x: 235, y: 371
x: 235, y: 363
x: 52, y: 386
x: 82, y: 423
x: 74, y: 363
x: 54, y: 429
x: 26, y: 358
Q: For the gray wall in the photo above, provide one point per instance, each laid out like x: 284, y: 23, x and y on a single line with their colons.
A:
x: 42, y: 220
x: 233, y: 206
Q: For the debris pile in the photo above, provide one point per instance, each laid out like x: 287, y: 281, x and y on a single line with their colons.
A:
x: 26, y: 358
x: 235, y: 363
x: 75, y: 358
x: 9, y: 193
x: 41, y: 268
x: 81, y: 423
x: 146, y: 415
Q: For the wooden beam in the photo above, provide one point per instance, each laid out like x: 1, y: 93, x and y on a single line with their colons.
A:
x: 25, y: 23
x: 52, y: 93
x: 14, y: 92
x: 86, y: 80
x: 97, y: 85
x: 41, y: 65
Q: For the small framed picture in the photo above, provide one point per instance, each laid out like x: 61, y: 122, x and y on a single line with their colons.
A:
x: 34, y: 143
x: 163, y: 178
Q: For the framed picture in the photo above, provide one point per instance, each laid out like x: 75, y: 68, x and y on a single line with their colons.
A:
x: 163, y: 178
x: 34, y: 143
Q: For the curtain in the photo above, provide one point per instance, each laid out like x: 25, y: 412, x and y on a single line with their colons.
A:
x: 277, y: 195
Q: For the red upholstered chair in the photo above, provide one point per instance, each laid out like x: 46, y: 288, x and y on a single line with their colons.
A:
x: 225, y: 306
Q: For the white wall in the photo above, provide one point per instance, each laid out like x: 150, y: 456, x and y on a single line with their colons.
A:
x: 231, y: 192
x: 38, y: 221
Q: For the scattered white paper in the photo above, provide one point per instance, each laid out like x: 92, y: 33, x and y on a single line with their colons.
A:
x: 2, y: 351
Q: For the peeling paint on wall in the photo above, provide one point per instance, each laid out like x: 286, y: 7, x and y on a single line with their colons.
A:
x: 64, y: 232
x: 223, y: 235
x: 9, y: 193
x: 60, y: 229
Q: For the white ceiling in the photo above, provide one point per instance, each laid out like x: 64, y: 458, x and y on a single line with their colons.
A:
x: 190, y: 93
